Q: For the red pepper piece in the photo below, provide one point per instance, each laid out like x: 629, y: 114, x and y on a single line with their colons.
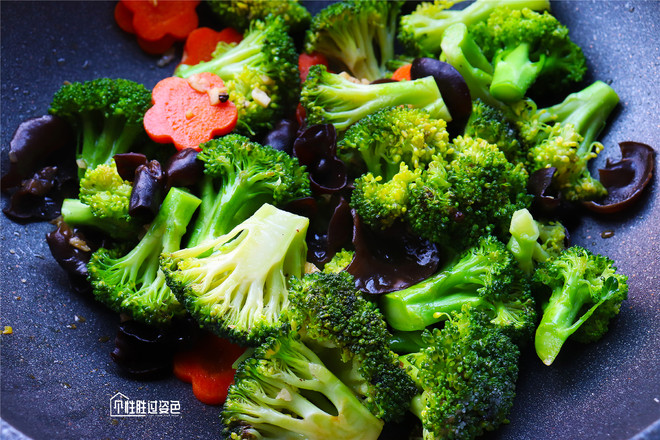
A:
x: 208, y: 366
x: 201, y: 43
x: 184, y: 112
x: 307, y: 60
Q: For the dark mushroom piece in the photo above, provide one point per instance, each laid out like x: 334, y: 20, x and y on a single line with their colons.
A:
x: 316, y: 148
x: 625, y: 179
x: 452, y: 86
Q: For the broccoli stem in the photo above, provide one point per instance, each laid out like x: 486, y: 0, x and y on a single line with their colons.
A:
x: 586, y: 110
x: 514, y: 73
x: 76, y: 213
x: 431, y: 300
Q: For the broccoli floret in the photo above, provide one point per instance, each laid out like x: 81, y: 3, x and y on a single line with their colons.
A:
x: 284, y: 390
x: 239, y: 177
x: 485, y: 276
x: 348, y: 331
x: 379, y: 142
x: 332, y: 375
x: 381, y: 203
x: 240, y: 13
x: 564, y: 136
x: 422, y: 30
x: 586, y: 293
x: 260, y: 72
x: 466, y: 375
x: 133, y: 283
x: 358, y: 36
x: 534, y: 242
x: 107, y: 114
x: 103, y: 203
x: 493, y: 125
x: 237, y: 284
x: 476, y: 193
x: 339, y: 261
x: 525, y: 45
x: 330, y: 98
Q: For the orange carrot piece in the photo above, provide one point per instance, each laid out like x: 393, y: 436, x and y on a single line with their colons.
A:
x: 124, y: 18
x: 402, y: 73
x: 201, y: 43
x: 208, y: 366
x: 307, y: 60
x: 156, y: 47
x: 185, y: 114
x: 152, y: 20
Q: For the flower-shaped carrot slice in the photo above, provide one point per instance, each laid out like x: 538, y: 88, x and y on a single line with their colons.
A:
x: 157, y: 23
x: 201, y: 43
x: 188, y: 112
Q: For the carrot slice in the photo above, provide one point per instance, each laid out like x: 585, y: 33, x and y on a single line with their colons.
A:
x: 202, y: 41
x: 208, y: 366
x: 157, y: 24
x: 186, y: 112
x: 124, y: 18
x: 402, y: 73
x: 307, y: 60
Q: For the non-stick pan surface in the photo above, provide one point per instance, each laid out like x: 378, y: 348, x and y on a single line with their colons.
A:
x: 57, y: 380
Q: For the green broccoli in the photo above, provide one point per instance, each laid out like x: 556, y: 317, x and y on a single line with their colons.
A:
x: 260, y: 72
x: 494, y: 126
x: 475, y: 193
x: 107, y: 114
x: 485, y: 276
x: 102, y: 203
x: 466, y: 374
x: 525, y: 46
x: 330, y: 98
x: 237, y: 284
x: 358, y: 36
x: 133, y: 283
x: 564, y: 136
x: 332, y: 374
x: 240, y: 13
x: 534, y: 242
x: 421, y: 31
x: 586, y: 293
x: 379, y: 142
x: 339, y: 261
x: 239, y: 177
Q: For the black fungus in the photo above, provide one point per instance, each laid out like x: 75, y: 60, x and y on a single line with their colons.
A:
x: 391, y: 259
x: 184, y: 169
x: 453, y: 88
x: 127, y: 163
x: 282, y: 136
x: 148, y: 191
x: 626, y: 178
x: 72, y: 251
x: 33, y: 144
x: 316, y: 148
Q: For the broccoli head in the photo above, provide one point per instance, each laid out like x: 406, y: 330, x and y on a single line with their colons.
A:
x: 330, y: 98
x: 328, y: 372
x: 534, y: 242
x: 421, y: 31
x: 107, y: 114
x: 380, y: 142
x: 494, y: 126
x: 466, y: 373
x: 260, y: 72
x: 237, y: 284
x: 475, y: 193
x: 565, y: 135
x: 358, y: 36
x: 240, y: 13
x: 239, y: 177
x: 586, y: 293
x: 525, y: 45
x: 132, y: 283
